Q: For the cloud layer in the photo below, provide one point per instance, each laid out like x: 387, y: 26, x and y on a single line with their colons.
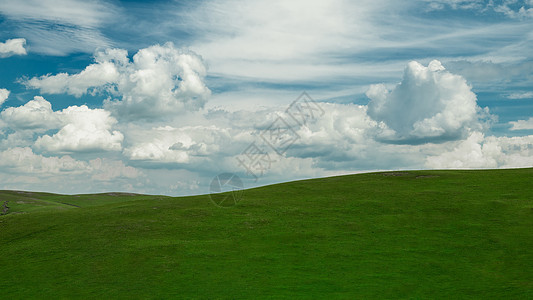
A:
x: 152, y: 127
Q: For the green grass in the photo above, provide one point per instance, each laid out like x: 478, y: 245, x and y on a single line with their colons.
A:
x: 411, y: 235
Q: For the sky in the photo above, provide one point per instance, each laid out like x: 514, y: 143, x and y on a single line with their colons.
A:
x: 160, y: 97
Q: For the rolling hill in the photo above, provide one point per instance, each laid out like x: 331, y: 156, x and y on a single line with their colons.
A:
x: 414, y: 234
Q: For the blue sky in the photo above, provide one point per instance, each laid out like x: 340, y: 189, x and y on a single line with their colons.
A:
x: 161, y: 96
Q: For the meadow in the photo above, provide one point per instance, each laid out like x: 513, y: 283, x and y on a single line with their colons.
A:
x: 413, y: 234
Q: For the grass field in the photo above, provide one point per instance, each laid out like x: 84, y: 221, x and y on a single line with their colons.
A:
x: 416, y: 235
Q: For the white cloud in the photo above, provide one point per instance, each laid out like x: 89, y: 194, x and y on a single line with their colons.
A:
x: 4, y: 94
x: 454, y: 4
x: 488, y: 71
x: 478, y: 151
x: 24, y: 169
x: 13, y: 47
x: 276, y: 41
x: 286, y: 40
x: 515, y: 9
x: 94, y: 76
x: 160, y: 81
x: 429, y: 105
x: 102, y: 169
x: 201, y: 144
x: 23, y: 160
x: 76, y: 12
x: 470, y: 153
x: 347, y: 126
x: 185, y: 145
x: 83, y: 129
x: 59, y: 27
x: 522, y: 124
x: 80, y: 128
x: 36, y: 115
x: 510, y: 8
x: 523, y: 95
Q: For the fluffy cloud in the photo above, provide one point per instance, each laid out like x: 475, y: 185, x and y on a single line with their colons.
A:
x: 83, y: 129
x: 185, y: 145
x: 347, y: 126
x: 429, y: 105
x: 104, y: 72
x: 23, y: 160
x: 79, y: 127
x: 36, y: 114
x: 4, y: 94
x: 478, y: 151
x: 159, y: 81
x: 13, y: 47
x: 522, y: 124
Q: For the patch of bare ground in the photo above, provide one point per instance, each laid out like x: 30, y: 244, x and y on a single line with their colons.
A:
x: 394, y: 174
x: 121, y: 194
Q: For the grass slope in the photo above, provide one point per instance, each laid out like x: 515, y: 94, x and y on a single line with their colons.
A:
x: 416, y: 234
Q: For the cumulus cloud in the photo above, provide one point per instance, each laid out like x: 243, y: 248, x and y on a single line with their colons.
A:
x: 23, y: 160
x: 79, y: 127
x: 430, y: 104
x: 159, y: 81
x: 183, y: 145
x: 347, y: 126
x: 36, y: 114
x: 4, y: 94
x: 478, y: 151
x: 522, y: 124
x: 94, y: 77
x: 83, y: 129
x: 13, y: 47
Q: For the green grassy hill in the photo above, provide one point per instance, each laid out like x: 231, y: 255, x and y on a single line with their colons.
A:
x: 416, y: 234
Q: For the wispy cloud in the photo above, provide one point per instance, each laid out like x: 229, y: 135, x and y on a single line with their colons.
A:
x: 509, y: 8
x: 59, y: 27
x: 522, y: 95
